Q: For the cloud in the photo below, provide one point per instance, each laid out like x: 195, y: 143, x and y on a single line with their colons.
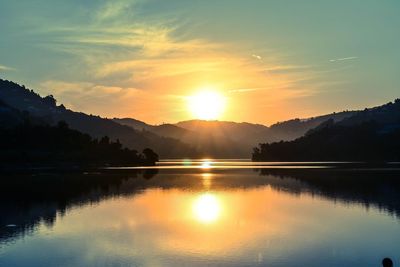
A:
x: 92, y: 98
x: 129, y: 63
x: 342, y: 59
x: 280, y: 69
x: 87, y: 95
x: 149, y: 41
x: 154, y: 68
x: 244, y: 90
x: 120, y: 45
x: 5, y: 68
x: 112, y: 10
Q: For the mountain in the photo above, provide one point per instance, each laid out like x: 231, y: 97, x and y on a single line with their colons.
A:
x: 11, y: 117
x: 166, y: 129
x: 292, y: 129
x: 368, y: 135
x: 46, y: 108
x: 232, y: 139
x: 25, y: 139
x: 224, y: 139
x: 133, y: 123
x: 387, y: 114
x: 233, y: 130
x: 212, y: 138
x: 194, y: 138
x: 45, y: 145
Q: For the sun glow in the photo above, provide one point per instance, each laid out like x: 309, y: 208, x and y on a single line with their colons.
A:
x: 205, y: 164
x: 207, y: 208
x: 207, y: 104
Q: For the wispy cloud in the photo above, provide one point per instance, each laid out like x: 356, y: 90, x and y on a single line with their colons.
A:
x: 164, y: 67
x: 92, y: 97
x: 287, y: 68
x: 130, y: 63
x: 342, y: 59
x: 292, y: 93
x: 244, y: 90
x: 113, y: 9
x: 5, y: 68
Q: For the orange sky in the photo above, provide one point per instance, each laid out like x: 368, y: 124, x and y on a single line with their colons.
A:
x: 271, y: 60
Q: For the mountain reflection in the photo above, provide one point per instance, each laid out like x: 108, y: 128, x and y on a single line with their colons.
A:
x: 29, y: 200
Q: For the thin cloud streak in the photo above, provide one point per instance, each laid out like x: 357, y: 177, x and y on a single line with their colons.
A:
x: 257, y: 57
x: 5, y: 68
x: 342, y: 59
x: 130, y: 65
x: 112, y: 10
x: 244, y: 90
x: 287, y: 69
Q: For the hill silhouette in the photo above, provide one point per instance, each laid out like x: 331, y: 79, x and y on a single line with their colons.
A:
x: 369, y: 135
x: 292, y: 129
x: 46, y: 108
x: 166, y: 129
x: 193, y: 138
x: 225, y: 139
x: 29, y: 141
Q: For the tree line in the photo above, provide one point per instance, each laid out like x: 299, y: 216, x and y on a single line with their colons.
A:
x: 366, y: 141
x: 41, y: 144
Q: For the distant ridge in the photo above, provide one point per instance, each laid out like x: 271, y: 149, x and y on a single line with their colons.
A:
x: 292, y: 129
x: 369, y: 135
x: 232, y: 139
x: 46, y: 108
x: 185, y: 139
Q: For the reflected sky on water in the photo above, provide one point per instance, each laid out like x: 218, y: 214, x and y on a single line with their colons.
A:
x: 237, y: 217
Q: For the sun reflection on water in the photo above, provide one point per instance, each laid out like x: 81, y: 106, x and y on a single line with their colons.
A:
x: 206, y: 164
x: 207, y: 180
x: 206, y: 208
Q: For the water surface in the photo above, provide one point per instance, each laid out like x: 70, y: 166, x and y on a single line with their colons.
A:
x: 217, y: 213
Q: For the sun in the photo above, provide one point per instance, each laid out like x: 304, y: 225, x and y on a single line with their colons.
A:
x: 207, y: 104
x: 206, y: 208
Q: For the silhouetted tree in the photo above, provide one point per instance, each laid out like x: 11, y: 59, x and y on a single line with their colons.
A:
x: 50, y: 100
x: 62, y: 125
x: 150, y: 173
x: 368, y: 141
x: 43, y: 144
x: 150, y: 156
x: 105, y: 140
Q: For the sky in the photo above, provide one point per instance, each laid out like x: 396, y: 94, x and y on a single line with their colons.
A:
x: 271, y: 60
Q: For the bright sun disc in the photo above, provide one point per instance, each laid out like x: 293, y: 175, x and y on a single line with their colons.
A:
x: 207, y: 105
x: 206, y: 208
